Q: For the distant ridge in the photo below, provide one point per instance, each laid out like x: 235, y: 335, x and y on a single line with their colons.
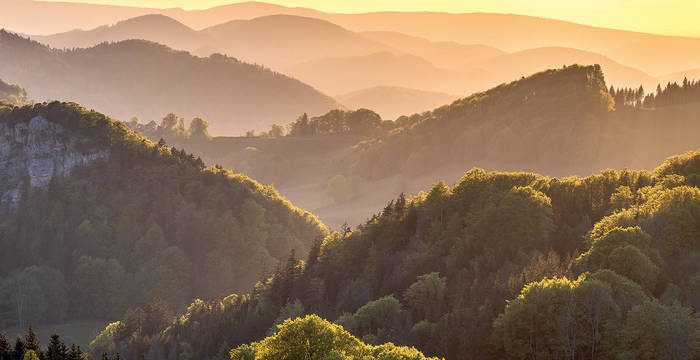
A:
x: 148, y: 80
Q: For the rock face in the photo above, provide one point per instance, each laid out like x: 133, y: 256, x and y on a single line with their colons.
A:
x: 32, y: 153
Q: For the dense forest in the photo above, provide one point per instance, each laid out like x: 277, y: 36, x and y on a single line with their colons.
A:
x: 141, y: 221
x: 596, y: 267
x: 146, y: 79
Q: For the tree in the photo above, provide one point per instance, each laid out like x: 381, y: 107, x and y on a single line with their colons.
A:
x: 5, y: 349
x: 30, y: 355
x: 199, y: 129
x: 313, y: 338
x: 656, y: 331
x: 276, y: 131
x: 56, y: 350
x: 426, y: 296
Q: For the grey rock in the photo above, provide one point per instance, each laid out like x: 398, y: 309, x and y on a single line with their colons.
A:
x: 32, y: 153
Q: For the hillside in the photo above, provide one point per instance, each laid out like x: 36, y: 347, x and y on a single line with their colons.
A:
x: 391, y: 102
x: 337, y: 75
x: 95, y: 219
x: 690, y: 74
x: 504, y: 68
x: 148, y: 80
x: 445, y: 54
x: 343, y: 177
x: 465, y: 272
x: 156, y: 28
x: 503, y: 31
x: 279, y: 41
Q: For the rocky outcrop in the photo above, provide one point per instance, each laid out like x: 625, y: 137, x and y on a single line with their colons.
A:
x: 32, y: 153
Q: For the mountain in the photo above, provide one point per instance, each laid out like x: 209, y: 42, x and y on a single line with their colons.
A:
x: 391, y: 102
x: 678, y: 77
x: 479, y: 260
x: 95, y: 219
x: 659, y: 56
x: 148, y: 80
x: 503, y: 31
x: 522, y: 63
x: 279, y: 41
x: 156, y: 28
x: 337, y: 75
x: 445, y: 54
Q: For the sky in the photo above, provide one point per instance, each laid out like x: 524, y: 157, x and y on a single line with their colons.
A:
x: 669, y: 17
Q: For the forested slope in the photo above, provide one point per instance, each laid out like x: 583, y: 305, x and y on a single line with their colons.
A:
x: 95, y: 219
x: 487, y: 269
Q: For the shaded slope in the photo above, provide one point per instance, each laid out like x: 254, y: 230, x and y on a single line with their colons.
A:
x: 445, y: 54
x: 282, y: 40
x: 338, y: 75
x: 156, y: 28
x: 512, y: 66
x: 148, y: 80
x: 111, y: 220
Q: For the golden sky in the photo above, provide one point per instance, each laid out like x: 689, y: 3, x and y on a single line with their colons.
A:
x: 672, y: 17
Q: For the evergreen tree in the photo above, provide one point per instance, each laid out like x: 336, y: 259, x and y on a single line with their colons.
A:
x: 5, y: 349
x: 56, y: 350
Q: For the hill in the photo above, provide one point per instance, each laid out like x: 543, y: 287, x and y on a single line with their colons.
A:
x: 690, y: 74
x: 337, y: 75
x: 156, y: 28
x: 445, y: 54
x: 557, y: 127
x: 523, y: 63
x: 279, y: 41
x: 391, y: 102
x: 503, y: 31
x: 148, y: 80
x: 95, y: 219
x: 500, y: 259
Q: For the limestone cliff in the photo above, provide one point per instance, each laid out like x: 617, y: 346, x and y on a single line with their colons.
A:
x: 32, y: 153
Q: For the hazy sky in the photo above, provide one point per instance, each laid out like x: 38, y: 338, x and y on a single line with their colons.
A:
x: 676, y: 17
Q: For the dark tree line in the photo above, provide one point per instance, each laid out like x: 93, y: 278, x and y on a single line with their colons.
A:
x: 28, y: 348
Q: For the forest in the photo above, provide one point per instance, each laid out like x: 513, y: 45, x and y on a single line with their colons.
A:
x: 147, y: 222
x: 613, y: 259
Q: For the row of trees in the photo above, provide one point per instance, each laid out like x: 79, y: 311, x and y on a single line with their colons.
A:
x: 172, y: 128
x: 671, y: 94
x: 28, y: 348
x: 361, y: 122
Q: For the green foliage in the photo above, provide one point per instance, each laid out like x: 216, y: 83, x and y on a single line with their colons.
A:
x: 12, y: 93
x: 361, y: 122
x: 656, y: 331
x: 149, y: 221
x: 313, y: 338
x: 426, y: 297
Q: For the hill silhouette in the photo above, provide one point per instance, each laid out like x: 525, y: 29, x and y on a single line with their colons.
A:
x: 279, y: 41
x: 155, y: 27
x: 391, y: 102
x: 337, y: 75
x: 148, y: 80
x: 445, y: 54
x: 522, y: 63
